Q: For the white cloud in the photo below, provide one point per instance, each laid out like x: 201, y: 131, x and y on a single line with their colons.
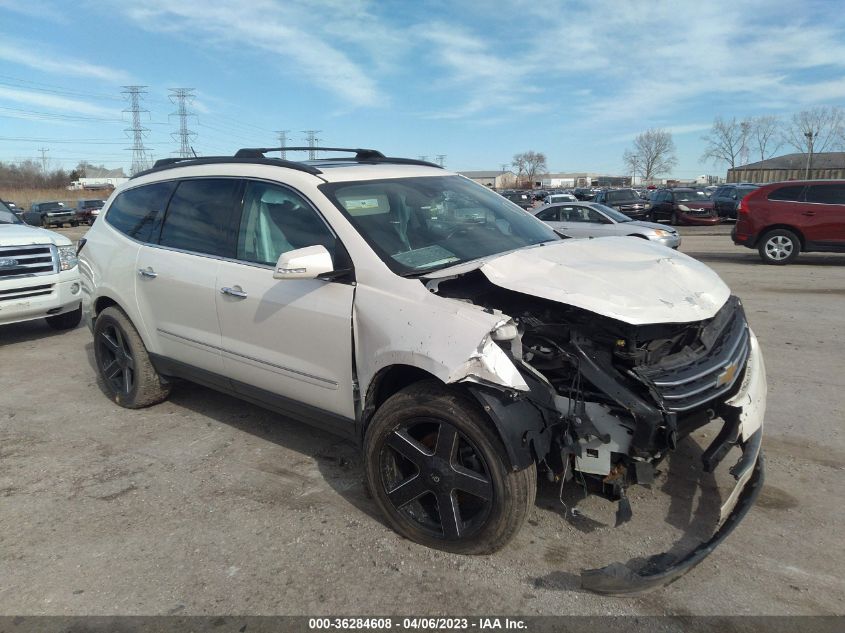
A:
x: 54, y: 102
x: 288, y: 32
x: 19, y: 53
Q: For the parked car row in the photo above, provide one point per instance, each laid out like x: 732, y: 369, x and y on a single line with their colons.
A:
x: 55, y: 213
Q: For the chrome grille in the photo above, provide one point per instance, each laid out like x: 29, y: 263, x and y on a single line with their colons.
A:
x: 714, y: 374
x: 25, y: 293
x: 27, y: 261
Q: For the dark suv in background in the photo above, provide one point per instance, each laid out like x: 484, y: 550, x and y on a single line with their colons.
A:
x: 784, y: 218
x: 683, y: 205
x: 726, y: 198
x: 48, y: 214
x: 625, y: 201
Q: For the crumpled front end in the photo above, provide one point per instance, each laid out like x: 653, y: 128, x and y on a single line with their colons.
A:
x: 610, y: 400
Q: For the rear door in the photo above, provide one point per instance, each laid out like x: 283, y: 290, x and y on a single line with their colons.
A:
x: 823, y: 215
x: 287, y: 343
x: 176, y: 278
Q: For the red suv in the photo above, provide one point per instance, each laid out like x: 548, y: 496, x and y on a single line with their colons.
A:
x: 784, y: 218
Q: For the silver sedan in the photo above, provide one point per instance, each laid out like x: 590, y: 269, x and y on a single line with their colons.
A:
x: 590, y: 219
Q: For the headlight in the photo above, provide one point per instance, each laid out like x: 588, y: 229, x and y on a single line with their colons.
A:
x: 67, y: 257
x: 661, y: 233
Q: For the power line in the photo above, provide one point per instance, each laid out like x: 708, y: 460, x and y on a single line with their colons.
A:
x: 139, y: 152
x: 312, y: 140
x: 183, y: 97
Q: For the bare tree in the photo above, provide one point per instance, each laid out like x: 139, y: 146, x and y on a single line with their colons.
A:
x: 726, y: 141
x: 822, y: 128
x: 653, y: 154
x: 530, y: 164
x: 765, y: 137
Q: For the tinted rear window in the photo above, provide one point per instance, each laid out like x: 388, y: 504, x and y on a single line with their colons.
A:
x: 138, y: 212
x: 826, y: 194
x: 790, y: 193
x: 200, y: 216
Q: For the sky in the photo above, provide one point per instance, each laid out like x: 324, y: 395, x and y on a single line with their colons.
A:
x: 475, y: 81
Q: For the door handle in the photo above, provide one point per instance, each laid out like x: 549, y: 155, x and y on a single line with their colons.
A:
x: 147, y: 272
x: 233, y: 292
x: 809, y: 213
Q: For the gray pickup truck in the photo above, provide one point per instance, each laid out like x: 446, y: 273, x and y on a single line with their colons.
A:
x: 48, y: 214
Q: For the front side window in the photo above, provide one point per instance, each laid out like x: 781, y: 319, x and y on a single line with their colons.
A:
x: 276, y: 220
x: 826, y: 194
x: 137, y: 212
x: 200, y: 216
x: 421, y: 224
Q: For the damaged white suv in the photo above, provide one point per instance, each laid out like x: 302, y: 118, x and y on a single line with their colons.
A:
x: 458, y: 339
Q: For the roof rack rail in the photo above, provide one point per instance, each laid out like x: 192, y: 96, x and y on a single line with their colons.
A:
x: 171, y: 163
x: 361, y: 155
x: 258, y: 152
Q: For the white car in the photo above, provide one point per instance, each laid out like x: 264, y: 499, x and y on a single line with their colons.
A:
x: 455, y: 337
x: 39, y: 277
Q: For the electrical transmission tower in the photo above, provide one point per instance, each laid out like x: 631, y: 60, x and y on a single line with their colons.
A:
x: 183, y: 97
x: 312, y: 140
x: 441, y: 158
x: 422, y: 157
x: 44, y: 151
x: 283, y: 142
x: 137, y: 132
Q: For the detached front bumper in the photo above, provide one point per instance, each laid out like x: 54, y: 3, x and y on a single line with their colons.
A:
x: 743, y: 415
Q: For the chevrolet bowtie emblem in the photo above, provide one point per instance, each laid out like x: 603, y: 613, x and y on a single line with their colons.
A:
x: 727, y: 376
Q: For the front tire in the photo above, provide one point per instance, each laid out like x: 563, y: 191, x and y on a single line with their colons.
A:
x: 66, y: 321
x: 779, y: 247
x: 123, y: 363
x: 438, y: 472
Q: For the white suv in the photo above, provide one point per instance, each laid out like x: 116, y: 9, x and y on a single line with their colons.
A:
x: 39, y: 276
x: 458, y: 339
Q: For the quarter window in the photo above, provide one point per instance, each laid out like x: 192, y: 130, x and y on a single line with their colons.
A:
x: 137, y: 212
x: 826, y: 194
x: 200, y: 216
x: 276, y: 220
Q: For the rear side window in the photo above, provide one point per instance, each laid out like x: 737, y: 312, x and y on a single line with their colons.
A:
x: 137, y: 212
x: 791, y: 193
x: 549, y: 215
x: 826, y: 194
x: 200, y: 216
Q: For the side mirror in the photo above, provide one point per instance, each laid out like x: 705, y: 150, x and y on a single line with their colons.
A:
x: 304, y: 263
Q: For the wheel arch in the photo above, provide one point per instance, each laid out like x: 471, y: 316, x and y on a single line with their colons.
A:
x: 519, y: 424
x: 785, y: 227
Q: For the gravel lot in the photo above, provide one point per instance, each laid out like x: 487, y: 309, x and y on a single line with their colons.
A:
x: 207, y: 505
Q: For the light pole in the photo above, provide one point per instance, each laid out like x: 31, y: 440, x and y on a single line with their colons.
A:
x: 809, y: 136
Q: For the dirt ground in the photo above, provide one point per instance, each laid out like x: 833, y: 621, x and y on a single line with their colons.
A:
x: 207, y: 505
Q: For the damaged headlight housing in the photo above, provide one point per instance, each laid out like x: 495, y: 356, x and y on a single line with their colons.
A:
x: 505, y: 332
x: 67, y: 257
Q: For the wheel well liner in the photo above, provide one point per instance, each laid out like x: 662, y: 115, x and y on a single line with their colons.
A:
x: 102, y: 303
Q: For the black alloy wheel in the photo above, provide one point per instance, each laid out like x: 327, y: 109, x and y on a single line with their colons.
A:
x: 437, y: 478
x: 117, y: 365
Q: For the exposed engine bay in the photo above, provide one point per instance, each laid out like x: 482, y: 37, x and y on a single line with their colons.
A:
x: 614, y: 398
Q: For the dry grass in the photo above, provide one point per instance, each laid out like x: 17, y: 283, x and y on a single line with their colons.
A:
x: 25, y: 197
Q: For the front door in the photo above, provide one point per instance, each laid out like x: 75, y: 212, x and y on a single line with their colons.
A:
x: 285, y: 343
x: 823, y: 215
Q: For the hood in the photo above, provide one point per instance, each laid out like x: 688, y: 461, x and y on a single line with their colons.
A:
x: 635, y: 281
x: 652, y: 225
x: 23, y: 234
x: 697, y: 204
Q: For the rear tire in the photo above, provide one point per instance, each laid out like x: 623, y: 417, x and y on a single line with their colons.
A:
x: 123, y: 363
x: 66, y: 321
x: 429, y: 447
x: 779, y: 247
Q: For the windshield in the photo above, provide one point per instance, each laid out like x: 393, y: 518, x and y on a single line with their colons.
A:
x: 6, y: 215
x: 92, y: 203
x: 421, y: 224
x: 691, y: 196
x: 622, y: 195
x: 612, y: 213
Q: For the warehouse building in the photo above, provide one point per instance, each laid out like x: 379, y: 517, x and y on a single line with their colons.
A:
x: 791, y: 167
x: 495, y: 179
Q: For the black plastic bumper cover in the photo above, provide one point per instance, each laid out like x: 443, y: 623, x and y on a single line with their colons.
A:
x: 663, y: 569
